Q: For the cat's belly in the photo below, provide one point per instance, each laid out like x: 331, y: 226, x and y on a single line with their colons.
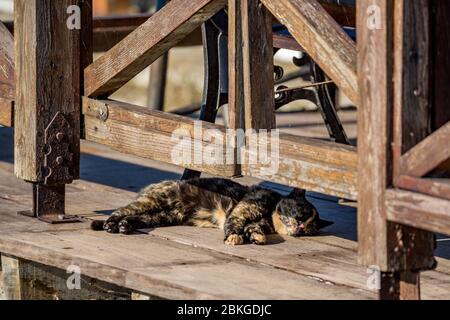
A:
x: 208, y: 218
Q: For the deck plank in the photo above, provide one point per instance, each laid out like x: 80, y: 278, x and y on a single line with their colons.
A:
x: 165, y: 268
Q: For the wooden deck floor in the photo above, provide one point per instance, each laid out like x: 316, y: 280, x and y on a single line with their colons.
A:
x: 183, y: 262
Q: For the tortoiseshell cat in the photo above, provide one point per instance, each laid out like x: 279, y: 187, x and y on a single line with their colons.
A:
x: 244, y: 213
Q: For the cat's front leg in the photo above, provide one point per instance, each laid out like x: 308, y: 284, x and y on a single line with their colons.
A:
x: 131, y: 211
x: 243, y: 214
x: 145, y: 211
x: 256, y: 232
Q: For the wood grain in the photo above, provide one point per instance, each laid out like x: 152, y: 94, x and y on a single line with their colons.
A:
x: 433, y: 187
x: 167, y: 269
x: 48, y: 81
x: 10, y: 279
x: 428, y: 154
x: 374, y: 74
x: 418, y: 211
x: 235, y: 66
x: 322, y: 38
x: 380, y: 242
x: 150, y: 134
x: 310, y: 164
x: 7, y: 82
x: 258, y: 68
x: 161, y: 32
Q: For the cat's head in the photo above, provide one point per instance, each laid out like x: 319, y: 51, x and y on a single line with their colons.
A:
x: 295, y: 216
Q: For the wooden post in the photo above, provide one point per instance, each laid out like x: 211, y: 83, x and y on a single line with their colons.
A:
x: 86, y: 48
x: 258, y: 82
x: 440, y: 20
x: 48, y: 100
x: 10, y: 282
x: 235, y: 66
x: 397, y: 250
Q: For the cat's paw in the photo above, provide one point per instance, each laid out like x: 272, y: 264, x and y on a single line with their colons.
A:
x: 125, y: 227
x: 234, y: 240
x: 258, y: 238
x: 111, y: 226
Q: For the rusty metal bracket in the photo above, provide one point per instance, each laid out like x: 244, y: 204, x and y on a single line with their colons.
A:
x: 58, y: 158
x: 49, y: 196
x: 49, y: 204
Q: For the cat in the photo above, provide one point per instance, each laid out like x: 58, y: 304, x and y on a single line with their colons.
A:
x: 245, y: 214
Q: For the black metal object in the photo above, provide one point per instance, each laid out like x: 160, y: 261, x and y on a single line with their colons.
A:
x: 215, y: 95
x: 326, y: 103
x: 321, y: 93
x: 49, y: 196
x: 49, y: 204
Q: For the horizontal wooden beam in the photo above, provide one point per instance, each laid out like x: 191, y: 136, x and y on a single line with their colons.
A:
x: 312, y: 164
x: 155, y: 135
x: 322, y: 38
x: 161, y: 32
x: 433, y: 187
x: 418, y: 211
x: 428, y: 154
x: 7, y: 82
x: 6, y: 112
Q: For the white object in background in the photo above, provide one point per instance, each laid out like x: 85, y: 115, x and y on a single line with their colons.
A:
x: 7, y: 6
x: 286, y: 55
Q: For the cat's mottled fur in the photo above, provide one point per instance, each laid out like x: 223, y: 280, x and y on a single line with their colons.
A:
x: 244, y: 213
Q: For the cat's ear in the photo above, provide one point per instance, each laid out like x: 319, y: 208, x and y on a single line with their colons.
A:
x: 324, y: 223
x: 297, y: 194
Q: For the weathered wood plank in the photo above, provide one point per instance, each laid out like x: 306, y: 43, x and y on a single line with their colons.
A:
x: 147, y: 118
x: 48, y: 80
x: 428, y: 154
x: 167, y: 269
x: 418, y: 211
x: 162, y: 31
x: 6, y: 112
x: 433, y: 187
x: 374, y: 74
x: 378, y: 238
x: 412, y: 112
x: 412, y: 77
x: 160, y: 136
x: 257, y: 55
x: 7, y: 82
x: 235, y: 66
x: 307, y: 163
x: 440, y: 48
x: 10, y: 280
x: 236, y: 109
x: 322, y: 38
x: 324, y: 262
